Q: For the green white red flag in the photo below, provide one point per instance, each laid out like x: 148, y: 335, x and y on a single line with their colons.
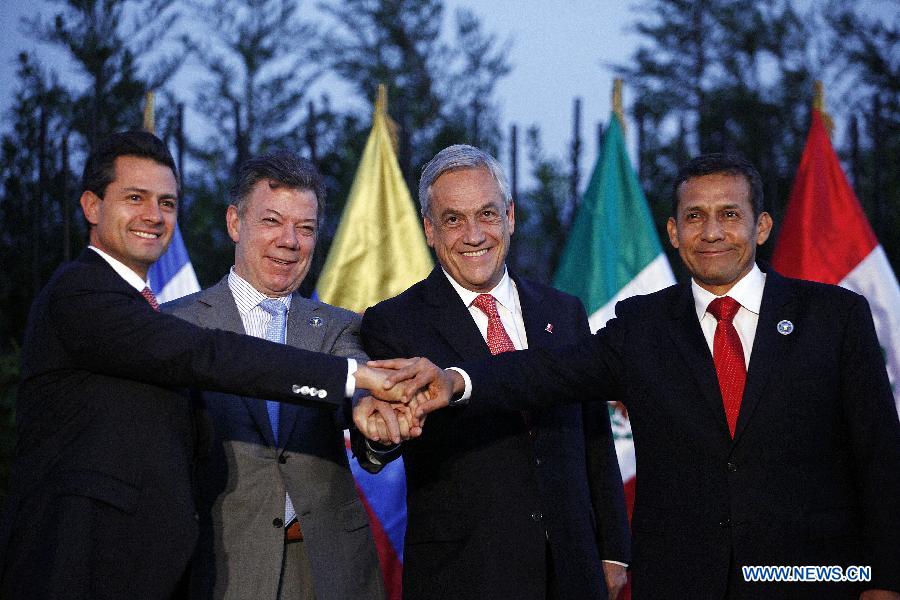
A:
x: 826, y: 237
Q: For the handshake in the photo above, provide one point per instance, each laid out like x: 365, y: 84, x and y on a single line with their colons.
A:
x: 403, y: 392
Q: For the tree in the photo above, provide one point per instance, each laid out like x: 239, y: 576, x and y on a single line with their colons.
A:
x: 438, y: 93
x: 255, y: 54
x: 867, y: 52
x: 106, y: 40
x: 34, y: 201
x: 543, y: 214
x: 722, y: 75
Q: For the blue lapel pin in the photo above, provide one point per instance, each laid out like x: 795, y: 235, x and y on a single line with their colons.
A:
x: 315, y: 321
x: 785, y: 327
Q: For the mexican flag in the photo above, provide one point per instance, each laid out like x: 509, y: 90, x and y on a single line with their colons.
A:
x: 612, y: 253
x: 826, y: 237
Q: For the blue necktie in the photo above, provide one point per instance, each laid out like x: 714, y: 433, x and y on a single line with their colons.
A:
x: 275, y: 332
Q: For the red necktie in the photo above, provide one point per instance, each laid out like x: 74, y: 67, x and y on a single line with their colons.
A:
x: 497, y: 339
x: 728, y: 356
x: 149, y: 297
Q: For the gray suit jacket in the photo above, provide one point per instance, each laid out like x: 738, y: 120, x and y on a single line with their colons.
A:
x: 242, y: 482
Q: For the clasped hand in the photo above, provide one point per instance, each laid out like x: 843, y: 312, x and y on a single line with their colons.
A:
x: 403, y: 392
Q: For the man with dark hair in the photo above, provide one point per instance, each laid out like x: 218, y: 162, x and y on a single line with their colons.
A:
x: 278, y: 463
x: 100, y: 503
x: 509, y: 505
x: 764, y: 423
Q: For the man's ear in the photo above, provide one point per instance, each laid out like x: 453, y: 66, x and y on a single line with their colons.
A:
x: 763, y: 228
x: 233, y: 223
x: 429, y: 231
x: 90, y: 206
x: 672, y: 229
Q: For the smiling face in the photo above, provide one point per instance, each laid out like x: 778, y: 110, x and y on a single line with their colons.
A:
x: 715, y: 230
x: 469, y: 227
x: 134, y: 220
x: 275, y: 237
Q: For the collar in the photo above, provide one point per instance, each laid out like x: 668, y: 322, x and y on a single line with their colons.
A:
x: 247, y: 297
x: 748, y: 291
x: 130, y: 277
x: 503, y: 292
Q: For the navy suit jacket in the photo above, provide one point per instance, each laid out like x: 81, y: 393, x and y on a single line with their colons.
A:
x: 488, y: 494
x: 100, y: 502
x: 812, y: 476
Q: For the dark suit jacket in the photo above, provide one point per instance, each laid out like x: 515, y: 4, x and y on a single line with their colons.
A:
x: 812, y: 476
x: 100, y: 499
x: 487, y: 494
x: 242, y: 482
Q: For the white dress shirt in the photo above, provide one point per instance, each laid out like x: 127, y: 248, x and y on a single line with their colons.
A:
x: 508, y: 307
x: 130, y: 277
x: 748, y: 291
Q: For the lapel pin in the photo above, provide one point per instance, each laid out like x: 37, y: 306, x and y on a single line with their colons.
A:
x: 315, y: 321
x: 549, y: 328
x: 785, y: 327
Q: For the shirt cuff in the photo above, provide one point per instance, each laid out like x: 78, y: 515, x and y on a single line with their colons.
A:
x: 374, y: 455
x: 468, y: 391
x: 350, y: 386
x: 616, y: 562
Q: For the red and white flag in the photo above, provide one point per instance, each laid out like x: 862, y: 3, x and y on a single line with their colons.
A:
x: 826, y: 237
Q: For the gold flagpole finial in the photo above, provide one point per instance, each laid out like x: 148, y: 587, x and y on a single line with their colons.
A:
x: 819, y: 105
x: 617, y: 106
x: 381, y: 109
x: 381, y: 99
x: 149, y: 113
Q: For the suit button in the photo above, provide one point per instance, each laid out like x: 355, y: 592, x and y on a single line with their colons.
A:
x: 732, y: 467
x: 536, y: 516
x: 296, y: 388
x: 323, y: 393
x: 282, y: 459
x: 725, y: 523
x: 313, y: 391
x: 276, y: 522
x: 304, y: 390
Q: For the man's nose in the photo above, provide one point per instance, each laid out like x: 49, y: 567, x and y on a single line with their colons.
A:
x: 473, y: 234
x: 289, y: 237
x: 712, y: 230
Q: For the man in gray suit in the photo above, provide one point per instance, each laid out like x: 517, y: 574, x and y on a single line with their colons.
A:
x: 279, y: 514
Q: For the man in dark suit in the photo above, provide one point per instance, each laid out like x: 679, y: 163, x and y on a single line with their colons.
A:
x: 100, y: 502
x: 293, y: 462
x: 507, y: 505
x: 764, y: 425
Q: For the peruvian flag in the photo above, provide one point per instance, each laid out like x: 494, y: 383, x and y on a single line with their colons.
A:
x: 826, y: 237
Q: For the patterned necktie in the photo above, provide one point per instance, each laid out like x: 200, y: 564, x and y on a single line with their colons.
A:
x: 728, y: 356
x: 497, y: 339
x: 147, y: 293
x: 276, y: 332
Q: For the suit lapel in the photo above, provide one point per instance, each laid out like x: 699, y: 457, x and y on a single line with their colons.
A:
x: 451, y: 317
x: 769, y: 346
x: 535, y: 314
x: 223, y: 314
x: 688, y: 337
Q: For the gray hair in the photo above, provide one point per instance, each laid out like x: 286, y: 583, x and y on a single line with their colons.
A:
x: 286, y: 169
x: 455, y: 158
